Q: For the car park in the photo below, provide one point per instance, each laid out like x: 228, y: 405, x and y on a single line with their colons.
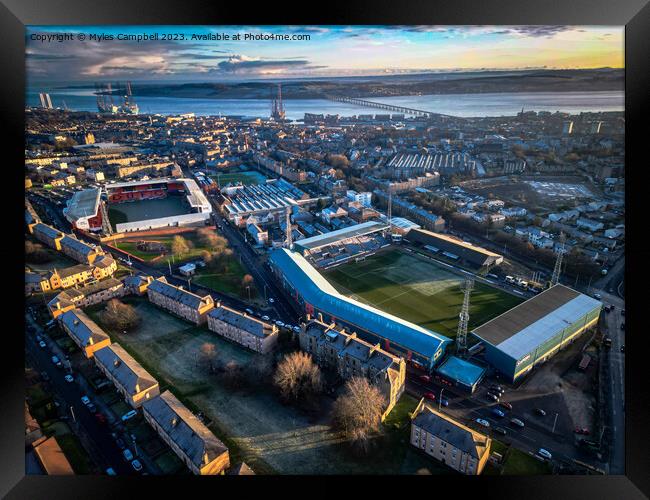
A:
x: 127, y: 454
x: 136, y: 465
x: 540, y: 412
x: 129, y: 415
x: 69, y: 378
x: 483, y: 422
x: 544, y: 453
x: 517, y: 422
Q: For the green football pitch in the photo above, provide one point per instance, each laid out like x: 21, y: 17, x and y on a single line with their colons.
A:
x: 417, y: 290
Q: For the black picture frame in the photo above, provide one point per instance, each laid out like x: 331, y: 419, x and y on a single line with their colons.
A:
x: 634, y: 14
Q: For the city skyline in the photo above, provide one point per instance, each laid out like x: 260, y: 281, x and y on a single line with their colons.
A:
x: 331, y: 51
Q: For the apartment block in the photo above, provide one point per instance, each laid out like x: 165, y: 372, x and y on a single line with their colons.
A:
x: 351, y: 356
x: 84, y: 332
x: 246, y: 330
x: 183, y: 303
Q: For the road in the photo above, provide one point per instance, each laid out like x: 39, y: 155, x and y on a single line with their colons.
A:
x: 97, y: 437
x: 537, y: 433
x: 616, y: 383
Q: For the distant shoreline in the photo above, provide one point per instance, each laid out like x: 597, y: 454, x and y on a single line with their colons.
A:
x: 410, y: 85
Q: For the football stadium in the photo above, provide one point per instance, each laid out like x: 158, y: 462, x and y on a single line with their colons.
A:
x: 139, y: 205
x: 418, y: 290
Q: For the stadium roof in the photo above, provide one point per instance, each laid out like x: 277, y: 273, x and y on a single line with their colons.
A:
x: 459, y: 242
x: 83, y: 204
x: 321, y: 294
x: 461, y: 370
x: 520, y: 330
x: 322, y: 240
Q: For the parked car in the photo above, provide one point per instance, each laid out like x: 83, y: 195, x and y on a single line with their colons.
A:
x: 120, y: 443
x: 42, y: 344
x: 430, y: 396
x: 265, y: 318
x: 540, y: 412
x: 425, y: 378
x: 136, y: 465
x: 91, y: 408
x: 623, y: 348
x: 271, y: 300
x: 127, y: 454
x: 483, y: 422
x: 598, y: 296
x: 249, y: 311
x: 85, y: 400
x: 296, y: 329
x: 38, y: 337
x: 581, y: 430
x: 517, y: 422
x: 544, y: 453
x: 69, y: 378
x: 497, y: 389
x: 279, y: 323
x: 493, y: 397
x: 111, y: 472
x: 500, y: 430
x: 129, y: 415
x: 45, y: 376
x: 57, y: 361
x: 498, y: 412
x: 444, y: 402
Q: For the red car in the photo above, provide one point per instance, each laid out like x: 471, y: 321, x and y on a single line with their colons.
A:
x: 430, y: 396
x: 582, y: 430
x: 425, y: 378
x: 100, y: 418
x: 506, y: 405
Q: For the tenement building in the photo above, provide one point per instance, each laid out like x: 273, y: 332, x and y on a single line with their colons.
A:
x: 253, y: 333
x: 179, y: 301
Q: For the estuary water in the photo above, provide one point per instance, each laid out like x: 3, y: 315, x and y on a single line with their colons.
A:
x: 463, y: 105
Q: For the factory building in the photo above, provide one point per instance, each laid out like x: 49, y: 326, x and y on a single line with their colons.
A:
x: 530, y: 333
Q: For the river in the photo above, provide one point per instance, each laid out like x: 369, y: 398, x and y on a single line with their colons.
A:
x: 463, y: 105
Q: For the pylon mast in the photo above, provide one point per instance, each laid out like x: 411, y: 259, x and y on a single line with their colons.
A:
x: 463, y: 318
x: 555, y: 278
x: 289, y: 240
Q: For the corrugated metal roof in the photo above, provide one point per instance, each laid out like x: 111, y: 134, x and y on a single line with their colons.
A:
x: 528, y: 325
x: 341, y: 234
x: 321, y: 294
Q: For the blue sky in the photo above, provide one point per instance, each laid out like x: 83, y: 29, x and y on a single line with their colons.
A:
x: 330, y: 51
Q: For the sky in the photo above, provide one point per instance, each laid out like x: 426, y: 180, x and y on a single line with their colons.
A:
x: 329, y: 51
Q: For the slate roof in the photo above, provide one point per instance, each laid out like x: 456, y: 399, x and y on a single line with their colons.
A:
x: 184, y: 429
x: 241, y: 320
x: 177, y: 294
x: 126, y: 370
x: 82, y: 327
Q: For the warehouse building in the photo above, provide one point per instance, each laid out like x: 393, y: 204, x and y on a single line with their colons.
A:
x: 460, y: 373
x: 530, y: 333
x: 317, y: 297
x: 454, y: 248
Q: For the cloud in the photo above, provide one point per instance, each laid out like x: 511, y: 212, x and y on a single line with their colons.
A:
x: 246, y: 64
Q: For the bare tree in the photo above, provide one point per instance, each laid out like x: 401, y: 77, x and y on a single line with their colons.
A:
x: 357, y: 412
x: 233, y: 375
x: 297, y: 377
x: 120, y: 316
x: 180, y: 246
x: 208, y: 352
x: 259, y: 371
x: 211, y: 240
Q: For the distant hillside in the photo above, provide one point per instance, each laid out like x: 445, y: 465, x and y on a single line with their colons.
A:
x: 433, y: 83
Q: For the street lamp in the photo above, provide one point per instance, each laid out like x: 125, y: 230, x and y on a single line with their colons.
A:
x: 440, y: 399
x: 74, y: 419
x: 249, y: 293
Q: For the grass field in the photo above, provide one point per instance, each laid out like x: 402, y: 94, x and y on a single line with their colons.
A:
x: 120, y: 213
x: 255, y: 425
x: 417, y: 290
x: 246, y: 178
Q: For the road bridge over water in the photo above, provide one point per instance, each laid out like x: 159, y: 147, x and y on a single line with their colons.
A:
x: 388, y: 107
